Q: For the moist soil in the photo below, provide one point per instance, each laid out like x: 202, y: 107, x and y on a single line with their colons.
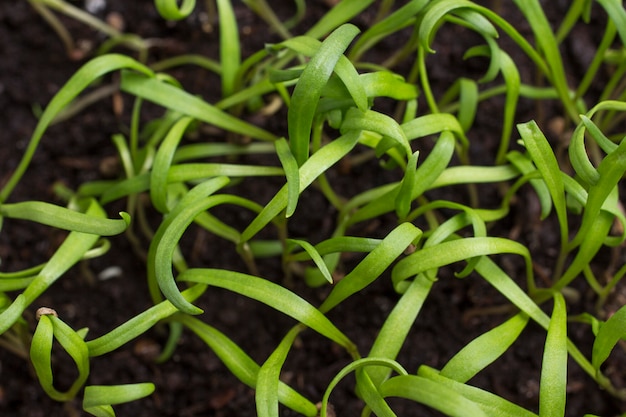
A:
x: 193, y: 382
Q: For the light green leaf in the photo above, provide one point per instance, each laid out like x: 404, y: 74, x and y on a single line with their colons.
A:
x: 98, y: 399
x: 64, y: 218
x: 271, y: 294
x: 290, y: 166
x: 309, y: 87
x: 553, y: 385
x: 610, y: 332
x: 267, y: 380
x: 484, y: 350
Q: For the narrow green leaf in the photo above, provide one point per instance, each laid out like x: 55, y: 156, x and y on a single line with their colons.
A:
x: 407, y: 185
x: 543, y: 156
x: 315, y: 256
x: 162, y: 162
x: 610, y: 332
x: 453, y: 251
x: 98, y: 399
x: 139, y: 324
x: 272, y: 295
x: 269, y: 374
x: 174, y: 98
x: 230, y: 53
x: 374, y: 264
x: 484, y: 350
x: 309, y: 87
x: 290, y: 166
x: 64, y: 218
x: 553, y: 385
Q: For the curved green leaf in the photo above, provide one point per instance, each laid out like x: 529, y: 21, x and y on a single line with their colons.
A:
x: 272, y: 295
x: 309, y: 87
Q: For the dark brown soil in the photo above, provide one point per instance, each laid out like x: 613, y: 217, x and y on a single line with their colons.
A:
x: 33, y: 66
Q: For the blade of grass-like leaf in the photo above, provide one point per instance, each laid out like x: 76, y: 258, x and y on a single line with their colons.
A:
x: 290, y: 166
x: 475, y: 175
x: 48, y: 327
x: 308, y: 89
x: 553, y: 385
x: 379, y: 259
x: 162, y: 162
x: 433, y: 394
x: 468, y: 103
x: 87, y: 74
x: 490, y: 403
x: 394, y: 331
x: 242, y: 366
x: 272, y: 295
x: 407, y: 185
x: 174, y: 98
x: 139, y: 324
x: 542, y: 155
x: 315, y: 256
x: 449, y: 252
x: 207, y: 150
x: 97, y: 396
x: 609, y: 334
x: 64, y: 218
x: 170, y: 10
x: 230, y: 54
x: 269, y: 374
x: 484, y: 350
